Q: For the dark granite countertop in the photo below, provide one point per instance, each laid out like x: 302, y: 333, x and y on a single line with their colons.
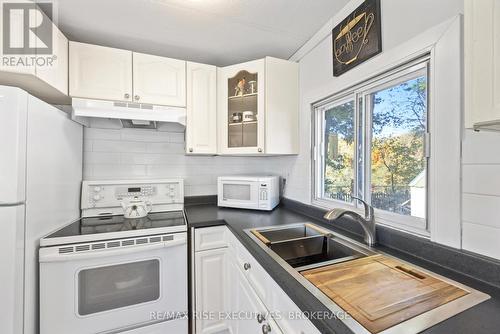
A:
x: 482, y: 318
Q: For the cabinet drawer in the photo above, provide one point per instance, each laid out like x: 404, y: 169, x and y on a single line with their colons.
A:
x: 210, y: 238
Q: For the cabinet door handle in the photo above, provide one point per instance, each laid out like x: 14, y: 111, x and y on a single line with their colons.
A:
x: 266, y: 328
x: 246, y: 266
x: 259, y: 150
x: 137, y: 97
x: 190, y: 149
x: 127, y: 95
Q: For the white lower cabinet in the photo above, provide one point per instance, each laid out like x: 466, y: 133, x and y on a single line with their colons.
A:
x: 212, y: 294
x: 249, y: 315
x: 210, y: 238
x: 291, y: 319
x: 229, y: 279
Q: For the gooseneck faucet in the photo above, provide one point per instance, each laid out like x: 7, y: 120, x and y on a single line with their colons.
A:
x: 367, y: 222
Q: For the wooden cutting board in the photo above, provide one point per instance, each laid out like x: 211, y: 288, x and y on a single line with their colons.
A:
x: 380, y: 292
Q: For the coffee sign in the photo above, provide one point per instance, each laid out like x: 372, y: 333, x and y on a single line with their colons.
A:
x: 357, y: 38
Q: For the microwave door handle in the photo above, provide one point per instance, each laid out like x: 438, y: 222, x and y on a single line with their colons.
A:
x: 54, y: 256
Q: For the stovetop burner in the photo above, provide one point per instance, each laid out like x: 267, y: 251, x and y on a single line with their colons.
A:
x: 113, y: 224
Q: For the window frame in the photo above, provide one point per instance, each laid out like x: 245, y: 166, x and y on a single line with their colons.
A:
x: 360, y: 94
x: 321, y: 124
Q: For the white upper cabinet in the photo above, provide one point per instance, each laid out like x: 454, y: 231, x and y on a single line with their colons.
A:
x: 201, y: 127
x: 56, y: 75
x: 98, y: 72
x: 482, y: 64
x: 242, y: 108
x: 282, y: 107
x: 44, y: 75
x: 159, y: 80
x: 258, y: 105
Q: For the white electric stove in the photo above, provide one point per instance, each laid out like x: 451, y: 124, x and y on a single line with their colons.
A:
x: 105, y: 273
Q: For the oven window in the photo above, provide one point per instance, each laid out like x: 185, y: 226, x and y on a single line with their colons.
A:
x: 107, y: 288
x: 239, y: 192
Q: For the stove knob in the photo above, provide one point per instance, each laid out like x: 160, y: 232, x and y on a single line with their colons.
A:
x: 96, y: 197
x: 97, y: 189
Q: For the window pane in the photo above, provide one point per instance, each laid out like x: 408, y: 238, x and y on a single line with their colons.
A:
x: 339, y: 152
x: 398, y: 163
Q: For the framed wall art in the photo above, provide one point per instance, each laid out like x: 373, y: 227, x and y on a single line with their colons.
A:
x: 357, y: 38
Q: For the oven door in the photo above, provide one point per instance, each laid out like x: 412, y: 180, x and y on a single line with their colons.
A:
x: 86, y: 288
x: 238, y: 193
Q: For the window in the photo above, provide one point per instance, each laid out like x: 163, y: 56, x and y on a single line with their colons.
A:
x: 371, y: 143
x: 339, y: 151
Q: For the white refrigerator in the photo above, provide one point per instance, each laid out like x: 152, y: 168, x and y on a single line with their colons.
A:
x: 40, y: 179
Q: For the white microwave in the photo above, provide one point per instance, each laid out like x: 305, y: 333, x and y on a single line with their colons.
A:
x: 248, y: 192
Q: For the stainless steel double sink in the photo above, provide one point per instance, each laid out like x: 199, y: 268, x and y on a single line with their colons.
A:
x: 306, y: 246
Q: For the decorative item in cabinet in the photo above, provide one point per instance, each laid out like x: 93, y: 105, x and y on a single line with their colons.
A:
x: 248, y: 116
x: 257, y: 108
x: 253, y: 86
x: 242, y: 110
x: 237, y: 117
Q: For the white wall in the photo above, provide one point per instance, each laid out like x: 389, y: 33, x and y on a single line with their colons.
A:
x: 481, y: 193
x: 143, y: 154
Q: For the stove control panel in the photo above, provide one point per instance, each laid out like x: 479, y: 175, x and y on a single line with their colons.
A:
x: 135, y: 192
x: 106, y: 197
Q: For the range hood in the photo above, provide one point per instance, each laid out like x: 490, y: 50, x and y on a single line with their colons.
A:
x: 131, y: 115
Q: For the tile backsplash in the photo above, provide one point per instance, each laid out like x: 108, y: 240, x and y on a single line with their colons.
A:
x: 144, y: 154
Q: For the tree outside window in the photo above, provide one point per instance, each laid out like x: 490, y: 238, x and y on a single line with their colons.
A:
x: 395, y: 159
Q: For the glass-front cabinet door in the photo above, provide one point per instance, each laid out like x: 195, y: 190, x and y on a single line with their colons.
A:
x: 242, y: 108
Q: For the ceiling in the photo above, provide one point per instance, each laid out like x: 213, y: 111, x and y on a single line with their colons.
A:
x: 218, y: 32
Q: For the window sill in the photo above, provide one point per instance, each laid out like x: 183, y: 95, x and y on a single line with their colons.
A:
x: 381, y: 218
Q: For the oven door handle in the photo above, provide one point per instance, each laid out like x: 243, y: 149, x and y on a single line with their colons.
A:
x: 52, y: 254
